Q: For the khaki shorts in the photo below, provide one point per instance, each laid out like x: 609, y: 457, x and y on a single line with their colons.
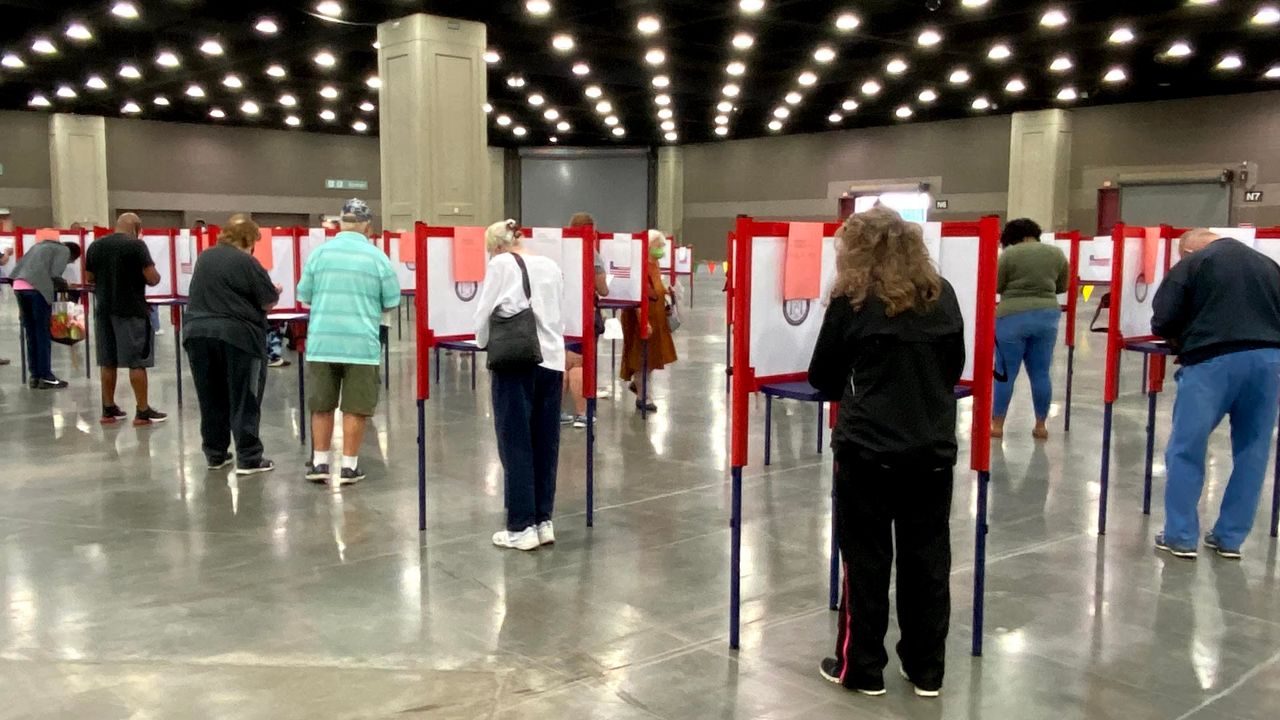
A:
x: 356, y: 385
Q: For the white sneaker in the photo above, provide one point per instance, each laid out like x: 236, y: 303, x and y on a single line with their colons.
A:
x: 546, y: 533
x: 526, y: 539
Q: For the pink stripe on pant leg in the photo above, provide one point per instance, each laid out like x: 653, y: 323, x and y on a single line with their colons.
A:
x: 847, y: 619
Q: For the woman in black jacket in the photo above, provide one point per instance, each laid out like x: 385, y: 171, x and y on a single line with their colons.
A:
x: 891, y: 351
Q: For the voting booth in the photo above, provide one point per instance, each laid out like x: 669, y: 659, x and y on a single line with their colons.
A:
x: 782, y: 274
x: 677, y: 262
x: 18, y: 242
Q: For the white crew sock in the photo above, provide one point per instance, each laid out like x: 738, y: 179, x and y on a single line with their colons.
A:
x: 319, y: 458
x: 350, y: 462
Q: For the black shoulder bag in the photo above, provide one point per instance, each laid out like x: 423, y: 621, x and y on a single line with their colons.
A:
x: 513, y: 341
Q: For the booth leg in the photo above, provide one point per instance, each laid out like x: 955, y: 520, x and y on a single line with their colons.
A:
x: 422, y: 465
x: 22, y: 351
x: 1275, y: 497
x: 1151, y: 446
x: 735, y: 556
x: 980, y: 562
x: 177, y: 355
x: 820, y: 425
x: 613, y: 358
x: 400, y: 321
x: 691, y: 284
x: 1146, y: 361
x: 644, y: 379
x: 1106, y: 468
x: 386, y: 362
x: 591, y: 462
x: 833, y: 595
x: 302, y: 400
x: 437, y: 364
x: 728, y: 361
x: 473, y: 372
x: 1071, y: 371
x: 768, y: 429
x: 88, y: 341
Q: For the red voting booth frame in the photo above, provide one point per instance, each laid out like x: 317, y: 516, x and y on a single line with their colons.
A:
x: 1073, y: 303
x: 426, y: 341
x: 745, y: 382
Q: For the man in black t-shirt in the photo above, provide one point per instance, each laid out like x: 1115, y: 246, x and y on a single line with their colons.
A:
x: 120, y: 268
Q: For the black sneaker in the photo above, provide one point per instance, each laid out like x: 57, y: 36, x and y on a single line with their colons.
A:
x: 1211, y: 541
x: 1185, y: 553
x: 278, y: 363
x: 350, y: 476
x: 921, y: 691
x: 219, y: 462
x: 257, y: 467
x: 112, y: 414
x: 319, y: 474
x: 150, y: 416
x: 50, y: 384
x: 830, y: 669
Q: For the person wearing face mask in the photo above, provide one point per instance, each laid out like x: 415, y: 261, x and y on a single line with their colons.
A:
x: 661, y: 347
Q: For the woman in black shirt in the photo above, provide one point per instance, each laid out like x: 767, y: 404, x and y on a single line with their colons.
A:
x: 891, y: 351
x: 226, y: 340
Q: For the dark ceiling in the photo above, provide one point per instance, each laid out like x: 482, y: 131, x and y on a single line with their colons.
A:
x: 695, y: 36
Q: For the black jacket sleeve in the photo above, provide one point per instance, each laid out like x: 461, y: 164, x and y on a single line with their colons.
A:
x: 1171, y: 308
x: 832, y: 360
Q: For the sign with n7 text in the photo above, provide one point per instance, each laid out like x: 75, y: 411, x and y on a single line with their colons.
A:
x: 1253, y: 196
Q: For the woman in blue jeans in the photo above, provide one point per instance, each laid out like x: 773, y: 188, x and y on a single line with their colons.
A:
x: 1031, y: 277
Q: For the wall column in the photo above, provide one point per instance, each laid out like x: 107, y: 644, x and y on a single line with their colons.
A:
x: 670, y: 192
x: 78, y: 170
x: 434, y: 138
x: 1040, y: 167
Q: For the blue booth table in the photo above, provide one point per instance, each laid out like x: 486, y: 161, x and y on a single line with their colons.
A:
x: 468, y: 347
x: 798, y: 390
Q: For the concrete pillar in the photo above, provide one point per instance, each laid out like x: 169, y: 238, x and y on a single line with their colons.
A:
x: 1040, y: 167
x: 434, y: 137
x: 670, y: 192
x: 78, y: 169
x: 497, y: 185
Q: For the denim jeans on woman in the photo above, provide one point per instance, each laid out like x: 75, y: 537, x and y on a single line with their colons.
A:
x: 36, y: 316
x: 1026, y: 338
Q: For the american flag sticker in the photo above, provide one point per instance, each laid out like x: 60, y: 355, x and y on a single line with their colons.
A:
x: 621, y: 273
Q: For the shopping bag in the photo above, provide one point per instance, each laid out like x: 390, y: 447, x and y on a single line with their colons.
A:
x: 66, y: 327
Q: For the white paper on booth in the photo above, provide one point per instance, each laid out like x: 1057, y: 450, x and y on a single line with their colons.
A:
x: 567, y: 253
x: 1137, y: 297
x: 161, y: 252
x: 783, y: 334
x: 684, y: 260
x: 282, y: 271
x: 1065, y: 247
x: 72, y: 274
x: 933, y: 242
x: 451, y: 306
x: 959, y: 265
x: 314, y: 238
x: 186, y: 243
x: 10, y: 243
x: 406, y: 273
x: 623, y: 259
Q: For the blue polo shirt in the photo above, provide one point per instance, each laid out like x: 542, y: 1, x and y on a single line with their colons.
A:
x: 347, y: 283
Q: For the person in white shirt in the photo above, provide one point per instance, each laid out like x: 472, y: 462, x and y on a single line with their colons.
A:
x: 526, y: 401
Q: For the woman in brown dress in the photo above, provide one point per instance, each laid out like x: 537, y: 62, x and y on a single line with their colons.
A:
x: 662, y: 349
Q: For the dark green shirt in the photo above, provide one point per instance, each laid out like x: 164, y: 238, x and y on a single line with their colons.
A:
x: 1032, y: 275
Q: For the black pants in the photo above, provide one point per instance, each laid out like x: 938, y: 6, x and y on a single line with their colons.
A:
x: 229, y: 383
x: 36, y: 315
x: 526, y: 418
x: 875, y: 505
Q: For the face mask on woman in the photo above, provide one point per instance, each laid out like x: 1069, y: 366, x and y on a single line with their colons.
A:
x: 657, y: 252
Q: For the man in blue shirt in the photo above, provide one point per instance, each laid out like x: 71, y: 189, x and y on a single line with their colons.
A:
x: 348, y: 283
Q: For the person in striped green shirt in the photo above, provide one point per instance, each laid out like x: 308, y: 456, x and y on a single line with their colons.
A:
x: 347, y: 283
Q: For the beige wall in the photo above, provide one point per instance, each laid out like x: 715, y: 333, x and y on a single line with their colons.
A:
x: 24, y: 152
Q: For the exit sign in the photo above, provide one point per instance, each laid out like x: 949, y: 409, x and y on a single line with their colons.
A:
x: 346, y: 184
x: 1253, y: 196
x: 941, y: 204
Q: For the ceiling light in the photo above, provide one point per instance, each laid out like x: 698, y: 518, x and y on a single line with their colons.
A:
x: 124, y: 10
x: 581, y: 69
x: 250, y: 107
x: 1273, y: 73
x: 217, y: 113
x: 665, y: 113
x: 661, y: 81
x: 329, y: 8
x: 1053, y: 18
x: 742, y: 41
x: 195, y: 91
x: 1266, y: 15
x: 782, y: 113
x: 736, y: 68
x: 78, y: 31
x: 751, y: 6
x: 168, y: 59
x: 1062, y: 63
x: 834, y: 118
x: 1178, y: 49
x: 1068, y: 94
x: 551, y: 114
x: 655, y: 57
x: 663, y: 100
x: 870, y: 87
x: 847, y: 22
x: 903, y: 112
x: 66, y: 92
x: 793, y: 98
x: 775, y: 125
x: 824, y: 54
x: 369, y: 107
x: 849, y: 105
x: 929, y: 38
x: 554, y: 139
x: 38, y: 100
x: 504, y: 120
x: 722, y: 131
x: 807, y: 78
x: 129, y: 72
x: 731, y: 90
x: 377, y: 45
x: 1115, y: 75
x: 1120, y: 36
x: 1015, y: 85
x: 515, y: 81
x: 211, y: 47
x: 360, y: 126
x: 538, y: 7
x: 722, y: 119
x: 276, y: 71
x: 668, y: 125
x: 267, y: 26
x: 724, y: 106
x: 981, y: 104
x: 999, y: 52
x: 671, y: 137
x: 537, y: 100
x: 328, y: 115
x: 604, y: 107
x: 492, y: 57
x: 43, y: 46
x: 959, y: 76
x: 619, y: 132
x: 161, y: 101
x: 288, y: 100
x: 325, y: 59
x: 973, y: 3
x: 487, y: 107
x: 232, y: 82
x: 648, y: 25
x: 1202, y: 2
x: 292, y: 121
x: 896, y: 66
x: 374, y: 82
x: 594, y: 91
x: 12, y: 61
x: 927, y: 96
x: 1230, y: 62
x: 563, y: 126
x: 329, y: 92
x: 95, y: 83
x: 131, y: 108
x: 562, y: 42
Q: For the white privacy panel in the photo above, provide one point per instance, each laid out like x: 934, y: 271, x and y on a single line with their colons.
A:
x: 406, y: 272
x: 1065, y: 247
x: 185, y: 244
x: 73, y: 274
x: 664, y: 262
x: 312, y: 239
x: 1095, y: 260
x: 567, y: 253
x: 161, y: 249
x: 624, y: 261
x: 284, y: 272
x: 784, y: 333
x: 1138, y: 292
x: 451, y: 307
x: 957, y: 259
x: 9, y: 241
x: 684, y: 260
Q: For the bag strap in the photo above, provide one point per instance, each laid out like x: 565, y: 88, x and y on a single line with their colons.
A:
x: 524, y: 271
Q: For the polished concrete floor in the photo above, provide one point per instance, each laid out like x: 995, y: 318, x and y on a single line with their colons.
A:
x: 137, y: 585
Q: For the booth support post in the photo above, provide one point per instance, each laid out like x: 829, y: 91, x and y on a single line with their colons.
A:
x: 422, y: 465
x: 175, y: 314
x: 423, y: 344
x: 22, y: 350
x: 738, y: 440
x: 1071, y: 372
x: 1275, y: 497
x: 983, y: 378
x: 1106, y: 468
x: 980, y: 562
x: 735, y: 557
x: 589, y: 341
x: 1151, y: 446
x: 833, y: 594
x: 302, y: 398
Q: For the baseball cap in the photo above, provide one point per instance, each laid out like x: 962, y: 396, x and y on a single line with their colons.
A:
x: 358, y: 210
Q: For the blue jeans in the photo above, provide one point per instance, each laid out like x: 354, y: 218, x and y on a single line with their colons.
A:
x: 1246, y: 386
x: 526, y: 418
x: 36, y: 315
x: 275, y: 342
x: 1026, y: 337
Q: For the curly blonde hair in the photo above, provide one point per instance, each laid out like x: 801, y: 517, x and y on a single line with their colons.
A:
x: 242, y: 234
x: 877, y: 252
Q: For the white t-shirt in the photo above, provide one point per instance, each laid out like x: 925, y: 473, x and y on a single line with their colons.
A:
x: 504, y: 291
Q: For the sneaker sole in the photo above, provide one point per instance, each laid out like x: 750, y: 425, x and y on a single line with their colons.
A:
x: 349, y: 481
x: 507, y: 546
x: 1225, y: 554
x: 242, y: 472
x: 144, y: 423
x: 916, y: 688
x: 219, y: 467
x: 829, y: 677
x: 1180, y: 554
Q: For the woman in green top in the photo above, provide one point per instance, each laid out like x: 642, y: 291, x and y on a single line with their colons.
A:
x: 1031, y: 277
